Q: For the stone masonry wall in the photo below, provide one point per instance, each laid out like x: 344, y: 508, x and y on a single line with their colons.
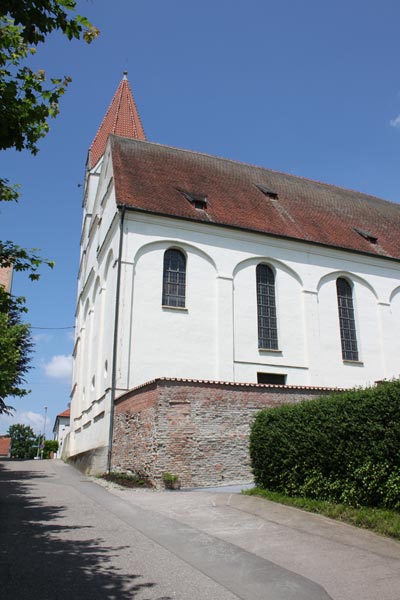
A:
x: 196, y: 430
x: 134, y: 439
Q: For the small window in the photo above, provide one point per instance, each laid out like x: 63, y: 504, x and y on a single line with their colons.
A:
x: 268, y: 192
x: 271, y: 378
x: 174, y: 279
x: 366, y: 235
x: 266, y: 308
x: 346, y: 320
x: 199, y: 201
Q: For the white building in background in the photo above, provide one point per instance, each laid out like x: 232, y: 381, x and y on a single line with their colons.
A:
x: 61, y: 430
x: 203, y: 268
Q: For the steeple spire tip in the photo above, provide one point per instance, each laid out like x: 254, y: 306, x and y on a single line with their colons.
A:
x: 122, y: 118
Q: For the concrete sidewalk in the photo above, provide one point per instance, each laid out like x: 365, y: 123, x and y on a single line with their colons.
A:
x: 349, y: 563
x: 64, y: 535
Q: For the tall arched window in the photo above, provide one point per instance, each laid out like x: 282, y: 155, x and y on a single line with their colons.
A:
x: 174, y: 278
x: 266, y: 308
x: 346, y: 319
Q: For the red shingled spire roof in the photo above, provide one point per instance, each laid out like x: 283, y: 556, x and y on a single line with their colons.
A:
x: 122, y: 118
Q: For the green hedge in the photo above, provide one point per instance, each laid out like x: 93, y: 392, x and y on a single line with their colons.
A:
x: 49, y: 447
x: 342, y: 448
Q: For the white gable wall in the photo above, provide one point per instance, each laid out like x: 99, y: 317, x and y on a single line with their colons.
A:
x: 94, y: 326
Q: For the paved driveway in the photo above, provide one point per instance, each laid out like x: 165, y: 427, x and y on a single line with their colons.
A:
x: 65, y: 536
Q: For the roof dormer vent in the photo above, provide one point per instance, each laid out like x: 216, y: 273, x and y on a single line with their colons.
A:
x: 199, y: 201
x: 366, y: 235
x: 267, y: 192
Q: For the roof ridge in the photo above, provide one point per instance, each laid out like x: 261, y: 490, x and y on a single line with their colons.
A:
x: 119, y: 89
x: 239, y: 162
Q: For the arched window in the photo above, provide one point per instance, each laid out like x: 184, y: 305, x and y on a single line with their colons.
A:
x: 174, y: 278
x: 346, y: 319
x: 266, y: 308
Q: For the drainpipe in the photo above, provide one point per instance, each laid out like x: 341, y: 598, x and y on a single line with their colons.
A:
x: 115, y: 342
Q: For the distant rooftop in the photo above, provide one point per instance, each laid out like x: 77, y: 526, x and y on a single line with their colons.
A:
x: 5, y: 444
x: 66, y: 413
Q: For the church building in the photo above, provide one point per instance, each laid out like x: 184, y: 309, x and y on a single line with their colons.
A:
x: 201, y: 269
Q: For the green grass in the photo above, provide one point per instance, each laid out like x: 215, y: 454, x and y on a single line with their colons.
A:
x: 382, y: 521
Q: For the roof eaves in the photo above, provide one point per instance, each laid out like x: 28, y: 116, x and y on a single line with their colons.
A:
x: 121, y: 204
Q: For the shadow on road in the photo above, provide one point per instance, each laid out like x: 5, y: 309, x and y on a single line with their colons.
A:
x: 35, y: 562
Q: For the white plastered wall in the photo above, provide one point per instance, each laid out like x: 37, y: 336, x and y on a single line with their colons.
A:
x: 216, y: 337
x: 91, y: 385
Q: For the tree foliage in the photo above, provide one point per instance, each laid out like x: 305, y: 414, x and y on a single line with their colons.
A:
x: 23, y: 441
x: 15, y: 349
x: 49, y: 447
x: 28, y: 100
x: 21, y: 259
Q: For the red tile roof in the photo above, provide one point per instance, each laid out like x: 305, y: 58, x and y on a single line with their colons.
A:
x: 148, y: 178
x: 66, y: 413
x: 122, y: 118
x: 5, y: 443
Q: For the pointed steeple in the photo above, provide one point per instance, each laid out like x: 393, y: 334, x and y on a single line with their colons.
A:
x: 121, y: 118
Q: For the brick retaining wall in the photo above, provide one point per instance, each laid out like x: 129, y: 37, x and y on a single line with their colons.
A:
x: 194, y: 429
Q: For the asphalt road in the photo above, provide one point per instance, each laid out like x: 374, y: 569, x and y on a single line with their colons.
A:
x: 65, y: 536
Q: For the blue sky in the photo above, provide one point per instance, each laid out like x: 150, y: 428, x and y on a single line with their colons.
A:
x: 310, y: 88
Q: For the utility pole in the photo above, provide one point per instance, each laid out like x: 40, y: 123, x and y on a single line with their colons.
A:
x: 44, y: 433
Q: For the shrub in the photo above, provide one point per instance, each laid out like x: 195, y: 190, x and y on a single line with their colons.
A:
x: 171, y: 481
x: 342, y: 448
x: 49, y: 446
